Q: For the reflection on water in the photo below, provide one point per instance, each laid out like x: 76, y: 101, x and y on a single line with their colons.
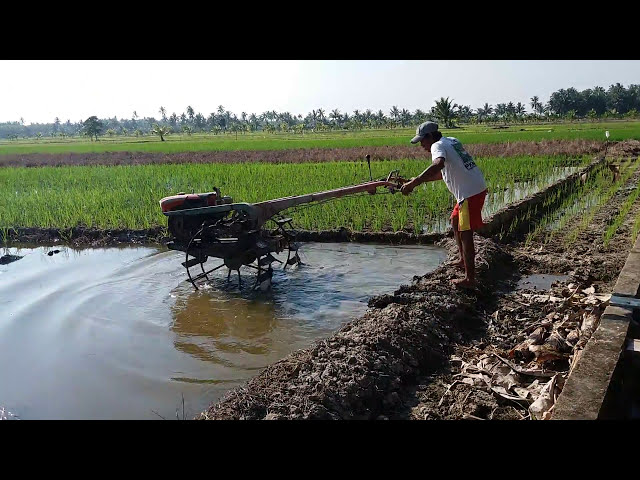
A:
x: 119, y: 333
x: 540, y: 281
x: 232, y: 324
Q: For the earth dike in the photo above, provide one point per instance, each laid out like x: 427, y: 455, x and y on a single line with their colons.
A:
x: 361, y: 370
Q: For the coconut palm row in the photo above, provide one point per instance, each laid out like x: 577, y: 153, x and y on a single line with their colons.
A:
x: 569, y: 104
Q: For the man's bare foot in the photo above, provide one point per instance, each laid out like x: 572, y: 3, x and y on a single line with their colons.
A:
x: 463, y: 283
x: 459, y: 264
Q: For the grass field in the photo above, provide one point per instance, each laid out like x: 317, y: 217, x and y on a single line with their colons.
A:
x: 128, y: 196
x: 619, y: 130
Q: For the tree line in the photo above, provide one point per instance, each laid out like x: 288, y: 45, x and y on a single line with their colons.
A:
x: 564, y: 104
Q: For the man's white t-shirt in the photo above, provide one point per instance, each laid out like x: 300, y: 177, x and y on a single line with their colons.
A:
x: 463, y: 178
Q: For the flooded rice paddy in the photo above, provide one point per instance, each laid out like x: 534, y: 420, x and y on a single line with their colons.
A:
x: 118, y: 334
x: 502, y: 196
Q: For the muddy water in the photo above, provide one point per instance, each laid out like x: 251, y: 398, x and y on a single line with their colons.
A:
x: 540, y: 281
x: 118, y: 334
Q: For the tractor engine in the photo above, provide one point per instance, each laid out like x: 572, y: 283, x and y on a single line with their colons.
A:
x: 183, y: 227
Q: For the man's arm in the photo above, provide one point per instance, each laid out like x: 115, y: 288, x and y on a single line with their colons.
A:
x: 431, y: 174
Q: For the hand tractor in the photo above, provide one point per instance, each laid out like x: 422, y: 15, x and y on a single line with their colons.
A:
x: 209, y: 225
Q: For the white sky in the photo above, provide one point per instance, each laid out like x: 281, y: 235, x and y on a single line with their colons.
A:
x: 41, y: 90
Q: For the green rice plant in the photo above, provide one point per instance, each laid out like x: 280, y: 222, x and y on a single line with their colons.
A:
x: 339, y: 139
x: 636, y: 229
x: 572, y: 200
x: 603, y: 194
x: 4, y: 235
x: 126, y: 196
x: 622, y: 215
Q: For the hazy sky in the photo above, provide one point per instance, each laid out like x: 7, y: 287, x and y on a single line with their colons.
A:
x: 39, y: 91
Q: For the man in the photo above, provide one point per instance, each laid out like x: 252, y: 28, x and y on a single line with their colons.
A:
x: 452, y: 163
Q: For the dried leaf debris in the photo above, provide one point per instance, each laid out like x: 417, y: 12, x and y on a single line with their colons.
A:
x: 539, y: 338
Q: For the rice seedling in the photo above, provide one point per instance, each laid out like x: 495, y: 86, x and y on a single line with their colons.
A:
x: 636, y: 229
x: 621, y: 217
x: 603, y: 195
x: 108, y: 197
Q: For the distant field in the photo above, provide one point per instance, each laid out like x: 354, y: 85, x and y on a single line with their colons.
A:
x: 128, y: 196
x: 619, y: 130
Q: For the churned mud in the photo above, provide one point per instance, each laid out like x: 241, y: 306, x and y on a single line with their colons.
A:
x: 431, y: 351
x: 300, y: 155
x: 8, y: 258
x: 92, y: 237
x: 86, y: 237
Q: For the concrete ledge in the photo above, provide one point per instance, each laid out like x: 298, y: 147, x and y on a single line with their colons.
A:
x: 628, y: 284
x: 585, y: 391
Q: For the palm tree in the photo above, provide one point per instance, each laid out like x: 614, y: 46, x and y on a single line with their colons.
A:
x: 160, y: 130
x: 464, y: 112
x: 501, y: 111
x: 253, y: 120
x: 314, y: 118
x: 163, y: 112
x: 405, y: 115
x: 419, y: 116
x: 484, y: 112
x: 190, y: 113
x: 335, y: 115
x: 511, y: 110
x: 443, y: 111
x: 320, y: 113
x: 394, y: 112
x: 535, y: 104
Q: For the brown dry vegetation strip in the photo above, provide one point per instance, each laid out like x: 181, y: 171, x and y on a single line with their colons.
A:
x: 545, y: 147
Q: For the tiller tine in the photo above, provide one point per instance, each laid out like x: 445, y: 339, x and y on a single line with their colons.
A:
x: 293, y: 260
x: 282, y: 221
x: 266, y: 275
x: 194, y: 261
x: 268, y: 260
x: 263, y: 280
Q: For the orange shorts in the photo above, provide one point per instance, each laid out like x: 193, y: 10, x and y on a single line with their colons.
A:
x: 469, y: 212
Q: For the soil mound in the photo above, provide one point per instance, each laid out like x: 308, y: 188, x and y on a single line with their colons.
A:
x: 360, y: 371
